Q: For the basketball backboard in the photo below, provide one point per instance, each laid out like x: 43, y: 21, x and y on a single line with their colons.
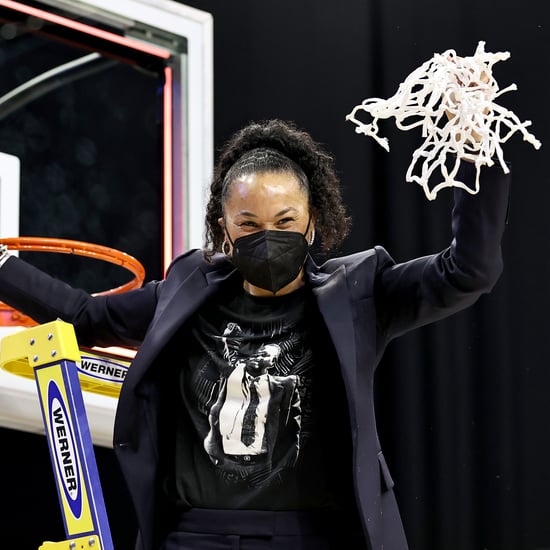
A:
x: 106, y: 117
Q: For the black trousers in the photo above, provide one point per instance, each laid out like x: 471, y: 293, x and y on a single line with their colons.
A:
x: 206, y: 529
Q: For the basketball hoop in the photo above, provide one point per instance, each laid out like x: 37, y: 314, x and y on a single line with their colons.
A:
x: 12, y: 317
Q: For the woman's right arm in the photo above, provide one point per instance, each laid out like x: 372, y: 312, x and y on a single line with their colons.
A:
x: 117, y: 319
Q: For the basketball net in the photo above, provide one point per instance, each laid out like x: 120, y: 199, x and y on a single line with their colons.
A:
x: 12, y: 317
x: 452, y: 100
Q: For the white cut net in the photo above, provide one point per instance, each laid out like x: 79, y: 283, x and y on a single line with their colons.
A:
x: 452, y: 99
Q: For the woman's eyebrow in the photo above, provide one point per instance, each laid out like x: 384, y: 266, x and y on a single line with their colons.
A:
x: 280, y: 213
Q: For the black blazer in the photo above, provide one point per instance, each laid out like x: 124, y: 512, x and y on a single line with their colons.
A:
x: 366, y: 299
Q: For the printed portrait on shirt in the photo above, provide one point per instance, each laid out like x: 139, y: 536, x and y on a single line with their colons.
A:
x: 255, y: 422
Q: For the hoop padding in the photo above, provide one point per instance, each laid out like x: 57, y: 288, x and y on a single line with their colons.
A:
x: 12, y: 317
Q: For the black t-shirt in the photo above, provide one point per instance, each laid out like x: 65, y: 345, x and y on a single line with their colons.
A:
x: 262, y: 420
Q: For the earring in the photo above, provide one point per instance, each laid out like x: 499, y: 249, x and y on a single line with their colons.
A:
x: 226, y: 249
x: 312, y: 237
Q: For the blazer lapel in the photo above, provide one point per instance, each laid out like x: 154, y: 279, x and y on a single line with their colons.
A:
x: 334, y: 304
x: 174, y: 308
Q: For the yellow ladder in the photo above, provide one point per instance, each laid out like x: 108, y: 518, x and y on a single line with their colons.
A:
x: 52, y: 352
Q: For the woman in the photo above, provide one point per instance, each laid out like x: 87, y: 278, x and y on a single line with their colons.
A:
x: 247, y: 419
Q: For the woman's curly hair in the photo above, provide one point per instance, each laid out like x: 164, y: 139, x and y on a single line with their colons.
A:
x: 331, y: 223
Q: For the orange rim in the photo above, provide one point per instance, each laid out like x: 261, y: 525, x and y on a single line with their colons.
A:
x: 12, y: 317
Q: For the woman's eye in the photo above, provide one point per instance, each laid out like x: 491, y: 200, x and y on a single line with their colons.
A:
x: 285, y: 221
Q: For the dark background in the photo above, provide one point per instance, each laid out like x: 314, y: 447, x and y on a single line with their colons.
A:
x: 462, y: 405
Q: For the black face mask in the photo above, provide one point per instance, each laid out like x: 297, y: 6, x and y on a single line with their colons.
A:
x: 270, y: 259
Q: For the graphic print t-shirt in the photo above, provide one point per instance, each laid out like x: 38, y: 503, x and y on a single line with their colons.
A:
x: 262, y: 422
